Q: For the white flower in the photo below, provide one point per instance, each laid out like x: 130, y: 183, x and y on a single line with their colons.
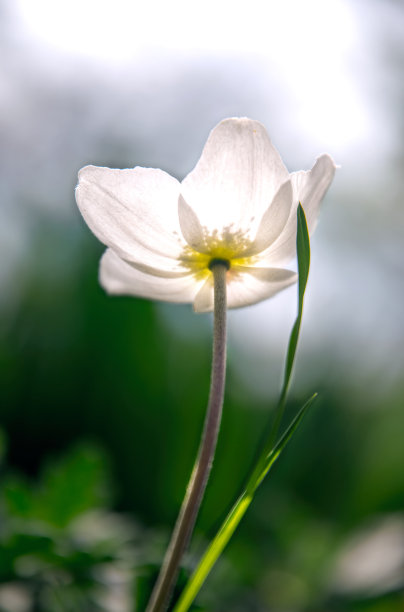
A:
x: 238, y: 204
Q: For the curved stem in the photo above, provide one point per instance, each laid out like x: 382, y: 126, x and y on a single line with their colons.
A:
x: 199, y: 477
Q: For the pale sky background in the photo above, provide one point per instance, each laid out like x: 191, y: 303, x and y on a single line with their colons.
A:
x: 130, y: 83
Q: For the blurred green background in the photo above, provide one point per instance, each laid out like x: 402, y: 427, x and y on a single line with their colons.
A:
x: 102, y: 399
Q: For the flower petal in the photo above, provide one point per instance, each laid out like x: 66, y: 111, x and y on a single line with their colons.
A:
x: 121, y: 278
x: 190, y: 226
x: 309, y: 188
x: 203, y: 301
x: 246, y: 286
x: 236, y: 177
x: 134, y: 211
x: 274, y: 220
x: 251, y: 285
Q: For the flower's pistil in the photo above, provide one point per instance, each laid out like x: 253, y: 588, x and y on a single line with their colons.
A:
x: 225, y: 247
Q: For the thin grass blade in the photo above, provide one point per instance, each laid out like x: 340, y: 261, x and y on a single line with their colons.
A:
x: 303, y: 266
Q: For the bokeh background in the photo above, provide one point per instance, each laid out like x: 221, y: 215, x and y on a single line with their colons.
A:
x: 102, y: 399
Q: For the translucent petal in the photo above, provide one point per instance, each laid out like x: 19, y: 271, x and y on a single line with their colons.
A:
x: 121, y: 278
x: 273, y: 220
x: 246, y: 286
x: 309, y: 188
x: 134, y: 211
x: 204, y: 298
x: 236, y: 178
x: 190, y: 226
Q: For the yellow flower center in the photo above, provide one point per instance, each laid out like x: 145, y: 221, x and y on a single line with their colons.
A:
x: 227, y: 246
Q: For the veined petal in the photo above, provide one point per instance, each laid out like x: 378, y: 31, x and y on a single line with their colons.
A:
x: 134, y: 211
x: 309, y: 188
x: 246, y: 286
x: 121, y: 278
x: 169, y: 272
x: 236, y: 177
x: 190, y: 226
x: 203, y: 301
x: 274, y: 220
x: 268, y: 275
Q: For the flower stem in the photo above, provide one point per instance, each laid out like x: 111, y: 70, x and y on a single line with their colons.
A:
x: 186, y: 519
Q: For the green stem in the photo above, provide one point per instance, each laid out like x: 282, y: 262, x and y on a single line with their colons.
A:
x: 186, y: 519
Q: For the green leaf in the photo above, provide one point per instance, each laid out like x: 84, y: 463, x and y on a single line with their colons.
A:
x: 303, y: 266
x: 72, y: 485
x: 68, y: 486
x: 235, y: 515
x: 18, y: 497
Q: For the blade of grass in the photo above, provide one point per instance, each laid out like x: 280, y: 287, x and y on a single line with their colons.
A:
x: 303, y: 266
x: 270, y: 452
